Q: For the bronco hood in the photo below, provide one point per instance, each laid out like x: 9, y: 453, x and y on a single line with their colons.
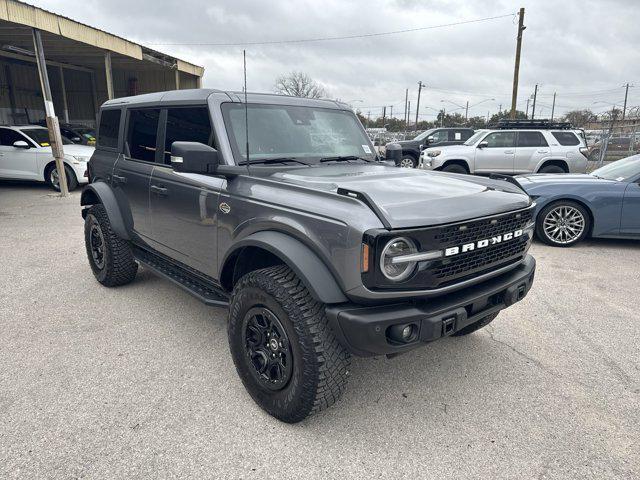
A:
x: 413, y: 198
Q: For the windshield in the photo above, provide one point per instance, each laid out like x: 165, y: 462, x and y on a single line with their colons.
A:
x: 41, y: 136
x: 424, y: 134
x: 475, y: 137
x: 620, y: 169
x: 87, y: 133
x: 306, y: 134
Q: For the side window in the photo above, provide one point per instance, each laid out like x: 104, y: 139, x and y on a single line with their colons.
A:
x: 531, y: 139
x: 566, y: 138
x: 190, y: 124
x: 109, y: 128
x: 501, y: 139
x: 8, y: 137
x: 466, y: 134
x: 142, y: 130
x: 440, y: 136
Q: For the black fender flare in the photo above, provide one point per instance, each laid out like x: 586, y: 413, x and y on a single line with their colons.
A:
x: 100, y: 192
x: 300, y: 258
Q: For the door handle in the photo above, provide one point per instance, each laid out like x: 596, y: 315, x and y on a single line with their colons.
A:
x: 119, y: 178
x: 161, y: 191
x: 543, y: 151
x: 508, y: 151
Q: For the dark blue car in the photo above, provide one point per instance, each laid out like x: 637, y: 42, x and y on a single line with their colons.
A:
x: 604, y: 203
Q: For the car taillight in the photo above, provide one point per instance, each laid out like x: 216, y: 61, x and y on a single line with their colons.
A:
x: 584, y: 150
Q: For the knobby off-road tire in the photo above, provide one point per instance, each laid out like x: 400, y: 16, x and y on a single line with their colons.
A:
x: 483, y: 322
x: 112, y: 263
x: 273, y: 305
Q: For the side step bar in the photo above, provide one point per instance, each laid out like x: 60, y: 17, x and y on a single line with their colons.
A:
x: 205, y: 291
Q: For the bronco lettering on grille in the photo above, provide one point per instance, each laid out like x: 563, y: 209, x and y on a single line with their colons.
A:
x: 468, y: 247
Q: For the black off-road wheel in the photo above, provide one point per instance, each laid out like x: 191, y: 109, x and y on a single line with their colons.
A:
x: 110, y: 257
x: 283, y: 348
x: 483, y: 322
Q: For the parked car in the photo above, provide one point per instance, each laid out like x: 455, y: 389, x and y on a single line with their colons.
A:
x: 513, y: 148
x: 25, y: 154
x: 604, y: 203
x: 439, y: 137
x: 79, y: 134
x: 617, y: 147
x: 319, y: 251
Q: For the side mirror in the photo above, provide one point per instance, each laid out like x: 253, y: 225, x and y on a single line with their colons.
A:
x: 430, y: 139
x: 483, y: 144
x: 194, y: 157
x: 21, y: 144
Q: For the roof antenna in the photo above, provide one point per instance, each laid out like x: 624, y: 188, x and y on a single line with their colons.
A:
x: 246, y: 109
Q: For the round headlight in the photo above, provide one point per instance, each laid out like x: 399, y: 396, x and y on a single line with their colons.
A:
x: 395, y: 248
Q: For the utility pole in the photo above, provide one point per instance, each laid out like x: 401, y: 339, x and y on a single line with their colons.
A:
x: 516, y: 70
x: 500, y: 109
x: 55, y: 137
x: 406, y: 99
x: 418, y: 104
x: 533, y: 110
x: 626, y: 94
x: 488, y: 112
x: 553, y: 105
x: 368, y: 118
x: 384, y: 114
x: 391, y: 113
x: 444, y: 112
x: 408, y: 114
x: 466, y: 112
x: 527, y: 112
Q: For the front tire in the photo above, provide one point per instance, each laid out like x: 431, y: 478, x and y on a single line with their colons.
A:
x: 552, y: 169
x: 53, y: 180
x: 455, y: 168
x: 408, y: 162
x: 283, y: 348
x: 563, y: 224
x: 110, y: 257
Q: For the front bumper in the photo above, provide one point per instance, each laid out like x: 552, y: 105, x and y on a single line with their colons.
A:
x: 365, y: 330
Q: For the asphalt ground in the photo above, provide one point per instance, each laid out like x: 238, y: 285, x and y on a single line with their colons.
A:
x: 138, y: 382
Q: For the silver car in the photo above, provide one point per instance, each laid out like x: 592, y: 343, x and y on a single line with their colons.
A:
x: 512, y: 152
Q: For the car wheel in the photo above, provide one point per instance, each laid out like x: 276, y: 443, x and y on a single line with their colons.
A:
x: 455, y: 168
x: 110, y: 257
x: 483, y: 322
x: 53, y: 179
x: 551, y: 169
x: 283, y: 348
x: 563, y: 224
x: 408, y: 162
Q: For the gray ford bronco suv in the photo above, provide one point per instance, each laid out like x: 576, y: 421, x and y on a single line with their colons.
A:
x: 319, y: 250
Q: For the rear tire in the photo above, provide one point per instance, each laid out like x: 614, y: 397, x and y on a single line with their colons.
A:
x: 552, y: 169
x: 483, y: 322
x: 408, y: 161
x: 455, y: 168
x: 110, y: 257
x: 283, y: 348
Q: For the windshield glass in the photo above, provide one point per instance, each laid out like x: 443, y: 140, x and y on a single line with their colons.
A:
x: 308, y: 134
x: 475, y: 137
x: 424, y: 134
x: 41, y: 136
x: 620, y: 169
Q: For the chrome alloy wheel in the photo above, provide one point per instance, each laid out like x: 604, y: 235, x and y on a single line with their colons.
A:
x: 564, y: 224
x: 54, y: 178
x: 406, y: 163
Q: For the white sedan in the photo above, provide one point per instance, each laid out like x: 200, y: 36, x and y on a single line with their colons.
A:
x: 25, y: 154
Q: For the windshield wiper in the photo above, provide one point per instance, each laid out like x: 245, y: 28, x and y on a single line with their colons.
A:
x: 343, y: 158
x: 266, y: 161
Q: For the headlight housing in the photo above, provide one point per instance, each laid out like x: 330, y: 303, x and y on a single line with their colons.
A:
x: 396, y: 247
x: 80, y: 158
x: 434, y: 153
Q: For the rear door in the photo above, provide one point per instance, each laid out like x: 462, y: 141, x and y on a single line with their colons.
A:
x: 17, y: 163
x: 132, y: 172
x: 630, y: 221
x: 499, y: 154
x: 531, y: 148
x: 184, y: 206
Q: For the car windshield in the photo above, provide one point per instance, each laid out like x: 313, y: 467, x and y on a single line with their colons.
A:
x: 620, y: 169
x: 424, y: 134
x: 474, y: 138
x: 87, y: 133
x: 41, y: 136
x: 282, y: 133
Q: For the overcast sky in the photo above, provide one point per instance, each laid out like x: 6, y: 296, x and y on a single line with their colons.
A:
x: 583, y: 50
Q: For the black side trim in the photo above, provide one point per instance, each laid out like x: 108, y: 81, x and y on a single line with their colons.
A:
x: 107, y: 198
x: 366, y: 199
x: 507, y: 178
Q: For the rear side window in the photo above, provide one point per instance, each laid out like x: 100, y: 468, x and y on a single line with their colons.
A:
x: 8, y: 137
x: 142, y: 131
x: 109, y: 127
x: 187, y: 125
x: 566, y: 139
x: 531, y: 139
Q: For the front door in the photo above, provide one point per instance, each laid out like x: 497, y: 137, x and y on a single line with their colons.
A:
x: 498, y: 155
x: 530, y: 150
x: 630, y: 221
x: 17, y: 163
x: 132, y: 172
x: 184, y: 206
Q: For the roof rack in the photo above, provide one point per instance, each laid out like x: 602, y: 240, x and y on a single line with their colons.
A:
x: 532, y: 124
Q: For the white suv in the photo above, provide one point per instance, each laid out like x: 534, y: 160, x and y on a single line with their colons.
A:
x: 513, y: 151
x: 25, y: 154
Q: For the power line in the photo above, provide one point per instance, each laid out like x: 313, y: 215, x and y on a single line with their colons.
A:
x: 342, y: 37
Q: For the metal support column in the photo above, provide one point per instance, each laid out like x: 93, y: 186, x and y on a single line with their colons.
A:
x: 177, y: 79
x: 63, y: 88
x: 108, y: 74
x: 55, y: 137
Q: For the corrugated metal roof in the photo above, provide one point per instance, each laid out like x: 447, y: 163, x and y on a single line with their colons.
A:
x: 24, y: 14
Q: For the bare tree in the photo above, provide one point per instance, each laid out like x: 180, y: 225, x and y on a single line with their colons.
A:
x: 579, y: 118
x: 299, y: 84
